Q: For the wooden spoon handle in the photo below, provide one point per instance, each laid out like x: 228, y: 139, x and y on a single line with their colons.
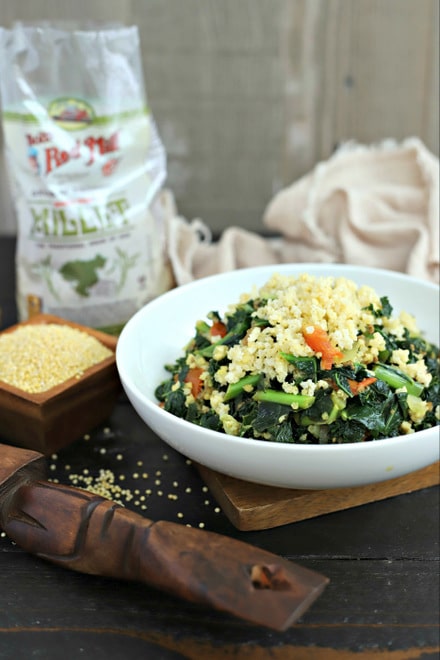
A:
x: 78, y: 529
x: 84, y: 532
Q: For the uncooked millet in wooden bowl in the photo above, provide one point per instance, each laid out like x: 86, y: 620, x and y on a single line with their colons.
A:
x: 58, y: 380
x: 36, y: 357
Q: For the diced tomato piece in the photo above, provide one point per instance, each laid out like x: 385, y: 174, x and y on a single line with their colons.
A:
x: 319, y: 341
x: 193, y: 377
x: 358, y: 386
x: 218, y: 329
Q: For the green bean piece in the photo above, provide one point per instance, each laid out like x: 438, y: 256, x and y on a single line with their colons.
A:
x: 234, y: 389
x: 396, y: 379
x: 285, y: 398
x: 202, y: 327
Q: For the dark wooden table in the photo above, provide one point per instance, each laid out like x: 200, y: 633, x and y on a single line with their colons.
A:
x: 381, y: 558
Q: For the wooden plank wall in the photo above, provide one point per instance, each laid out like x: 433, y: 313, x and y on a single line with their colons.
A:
x: 250, y: 94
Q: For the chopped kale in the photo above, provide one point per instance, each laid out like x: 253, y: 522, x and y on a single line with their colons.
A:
x: 267, y: 415
x: 162, y: 391
x: 192, y: 413
x: 347, y: 431
x: 210, y: 420
x: 319, y: 413
x: 175, y: 403
x: 341, y: 378
x: 241, y: 318
x: 380, y: 412
x: 304, y: 368
x: 283, y: 432
x: 200, y: 341
x: 385, y: 308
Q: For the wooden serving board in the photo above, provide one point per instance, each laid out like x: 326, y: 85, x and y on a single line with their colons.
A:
x: 252, y: 506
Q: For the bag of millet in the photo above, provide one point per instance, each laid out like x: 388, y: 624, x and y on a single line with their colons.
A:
x: 86, y: 166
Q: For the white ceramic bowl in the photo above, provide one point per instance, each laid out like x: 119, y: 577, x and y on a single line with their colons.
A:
x: 157, y: 334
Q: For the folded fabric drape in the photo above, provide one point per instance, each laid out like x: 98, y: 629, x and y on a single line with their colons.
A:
x: 375, y: 205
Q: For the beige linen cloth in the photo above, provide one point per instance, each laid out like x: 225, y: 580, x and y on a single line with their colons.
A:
x: 372, y: 205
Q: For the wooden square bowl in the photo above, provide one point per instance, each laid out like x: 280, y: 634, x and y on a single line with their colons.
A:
x: 50, y: 420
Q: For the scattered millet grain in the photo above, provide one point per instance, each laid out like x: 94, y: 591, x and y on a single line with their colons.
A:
x: 36, y: 357
x: 106, y: 485
x: 103, y: 485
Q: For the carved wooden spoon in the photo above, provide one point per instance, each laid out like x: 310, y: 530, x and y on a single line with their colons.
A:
x: 87, y: 533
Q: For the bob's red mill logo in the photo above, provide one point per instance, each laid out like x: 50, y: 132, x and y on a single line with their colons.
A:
x: 71, y: 115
